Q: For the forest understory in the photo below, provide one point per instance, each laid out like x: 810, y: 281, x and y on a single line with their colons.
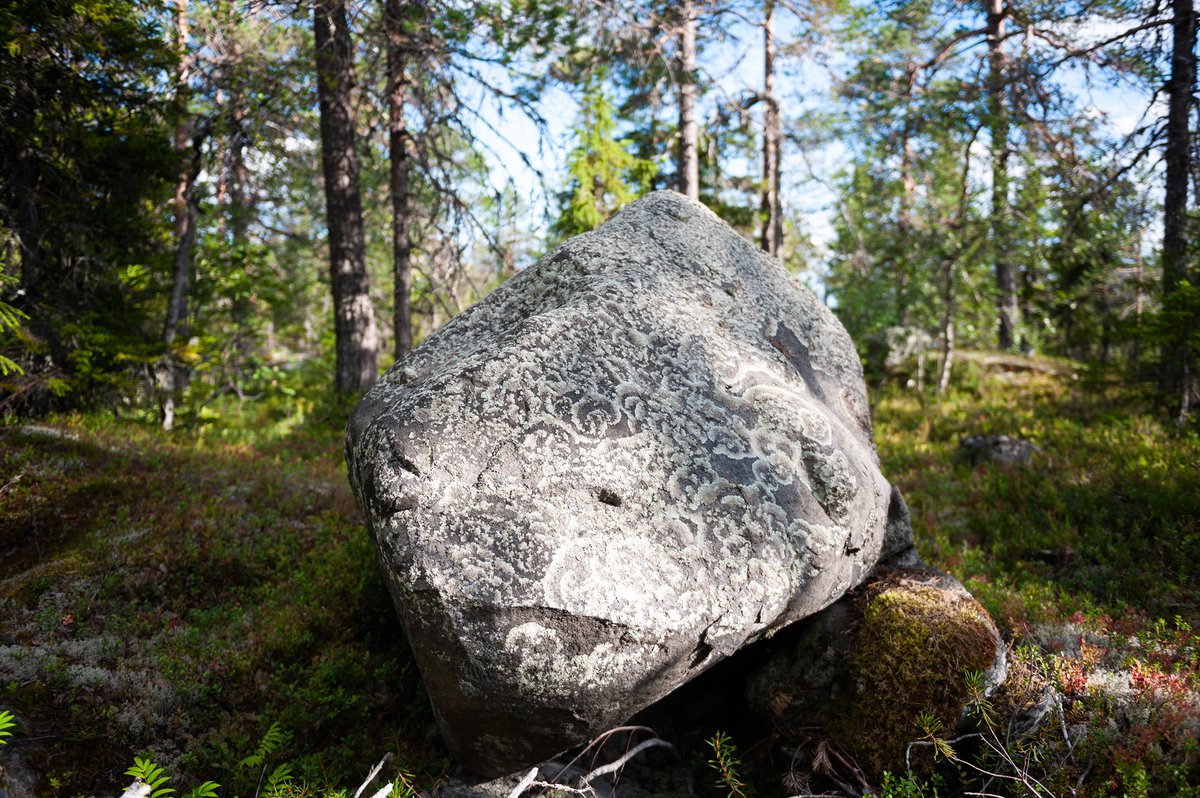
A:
x: 210, y: 600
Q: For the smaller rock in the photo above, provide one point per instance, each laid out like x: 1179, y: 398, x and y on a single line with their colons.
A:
x: 1002, y: 449
x: 866, y: 667
x: 17, y: 779
x: 898, y: 549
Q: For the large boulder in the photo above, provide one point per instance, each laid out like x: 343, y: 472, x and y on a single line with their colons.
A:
x: 639, y: 455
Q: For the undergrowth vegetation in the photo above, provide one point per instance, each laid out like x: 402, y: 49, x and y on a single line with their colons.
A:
x: 176, y: 596
x: 1085, y: 558
x: 209, y: 602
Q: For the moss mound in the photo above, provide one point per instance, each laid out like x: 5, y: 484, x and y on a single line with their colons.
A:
x: 911, y: 652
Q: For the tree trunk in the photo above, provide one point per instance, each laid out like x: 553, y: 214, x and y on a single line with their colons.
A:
x: 908, y: 192
x: 1001, y: 221
x: 29, y: 232
x: 1177, y: 159
x: 174, y: 372
x: 240, y: 204
x: 772, y: 226
x: 399, y: 157
x: 689, y: 149
x: 238, y: 196
x: 221, y: 190
x: 177, y: 373
x: 353, y: 315
x: 947, y: 327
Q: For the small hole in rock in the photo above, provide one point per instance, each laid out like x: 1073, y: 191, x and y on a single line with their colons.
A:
x: 608, y: 497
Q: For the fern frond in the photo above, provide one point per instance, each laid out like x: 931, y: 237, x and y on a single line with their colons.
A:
x: 252, y: 761
x: 206, y: 790
x: 7, y: 721
x: 275, y: 738
x: 280, y: 776
x: 147, y: 772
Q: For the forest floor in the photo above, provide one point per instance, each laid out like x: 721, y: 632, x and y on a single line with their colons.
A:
x: 210, y: 599
x: 1086, y: 558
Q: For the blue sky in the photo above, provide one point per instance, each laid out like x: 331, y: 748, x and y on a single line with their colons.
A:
x: 804, y: 84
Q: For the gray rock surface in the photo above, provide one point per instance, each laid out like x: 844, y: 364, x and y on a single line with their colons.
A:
x: 17, y: 779
x: 1002, y: 449
x: 637, y: 456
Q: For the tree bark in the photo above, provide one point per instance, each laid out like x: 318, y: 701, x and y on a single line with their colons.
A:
x: 353, y: 315
x: 908, y: 191
x: 947, y: 327
x: 772, y: 226
x: 1177, y: 159
x: 29, y: 229
x: 689, y: 149
x: 398, y: 154
x: 1001, y: 221
x: 238, y: 195
x: 240, y: 203
x: 174, y: 372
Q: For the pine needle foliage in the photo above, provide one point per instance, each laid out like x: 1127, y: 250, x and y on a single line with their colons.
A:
x: 10, y: 319
x: 604, y: 174
x: 726, y: 765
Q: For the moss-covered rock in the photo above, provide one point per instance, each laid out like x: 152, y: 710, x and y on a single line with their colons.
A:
x: 915, y: 642
x: 868, y: 668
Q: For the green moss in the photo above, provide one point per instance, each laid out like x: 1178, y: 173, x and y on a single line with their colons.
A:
x: 911, y: 652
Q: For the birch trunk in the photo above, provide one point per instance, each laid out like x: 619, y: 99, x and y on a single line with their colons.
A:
x: 689, y: 149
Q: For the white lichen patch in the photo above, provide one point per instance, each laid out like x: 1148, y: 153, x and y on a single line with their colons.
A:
x: 615, y: 579
x: 544, y: 670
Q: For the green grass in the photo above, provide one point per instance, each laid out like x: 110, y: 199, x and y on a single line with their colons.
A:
x: 176, y: 595
x: 1105, y: 519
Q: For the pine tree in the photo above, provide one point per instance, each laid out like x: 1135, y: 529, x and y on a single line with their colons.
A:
x: 604, y: 175
x: 354, y: 316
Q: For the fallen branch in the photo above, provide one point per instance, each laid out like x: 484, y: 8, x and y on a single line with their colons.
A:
x: 620, y: 763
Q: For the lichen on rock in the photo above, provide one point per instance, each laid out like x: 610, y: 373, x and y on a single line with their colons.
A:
x: 639, y: 455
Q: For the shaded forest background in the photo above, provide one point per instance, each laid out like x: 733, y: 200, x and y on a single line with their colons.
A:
x: 204, y: 200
